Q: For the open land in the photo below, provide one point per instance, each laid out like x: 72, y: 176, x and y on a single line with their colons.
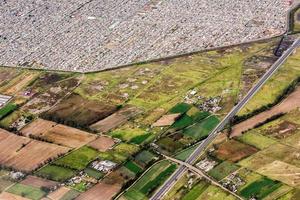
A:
x: 17, y: 150
x: 122, y: 32
x: 57, y: 133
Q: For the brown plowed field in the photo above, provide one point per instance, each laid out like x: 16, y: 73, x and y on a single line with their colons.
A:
x: 234, y: 151
x: 9, y: 196
x: 290, y: 103
x: 102, y: 143
x: 59, y: 193
x: 167, y: 120
x: 38, y: 182
x: 115, y: 120
x: 101, y: 191
x: 26, y: 154
x: 58, y: 133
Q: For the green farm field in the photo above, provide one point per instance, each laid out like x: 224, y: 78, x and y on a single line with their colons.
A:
x: 55, y: 173
x: 78, y: 159
x: 27, y: 191
x: 151, y: 180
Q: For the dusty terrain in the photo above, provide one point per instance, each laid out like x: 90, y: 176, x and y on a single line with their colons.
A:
x: 102, y: 143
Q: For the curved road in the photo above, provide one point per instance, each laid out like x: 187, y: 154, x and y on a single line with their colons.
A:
x: 203, y: 145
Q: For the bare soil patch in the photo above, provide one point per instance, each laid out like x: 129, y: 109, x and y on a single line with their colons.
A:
x: 234, y: 151
x: 9, y: 196
x: 34, y: 155
x: 284, y: 130
x: 102, y: 143
x: 290, y: 103
x: 59, y: 193
x: 58, y: 133
x: 25, y: 154
x: 101, y: 191
x: 38, y: 182
x: 115, y: 120
x: 167, y: 120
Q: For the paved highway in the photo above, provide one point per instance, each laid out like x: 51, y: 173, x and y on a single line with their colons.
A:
x: 203, y: 145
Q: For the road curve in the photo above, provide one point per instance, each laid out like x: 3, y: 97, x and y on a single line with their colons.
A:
x: 203, y: 145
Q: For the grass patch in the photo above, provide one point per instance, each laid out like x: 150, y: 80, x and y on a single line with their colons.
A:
x: 93, y: 173
x: 145, y: 157
x: 200, y: 116
x: 78, y: 159
x: 183, y: 122
x: 257, y: 140
x: 133, y: 167
x: 196, y: 191
x: 180, y: 108
x: 183, y: 155
x: 151, y: 180
x: 72, y: 194
x: 140, y: 138
x: 55, y: 173
x: 222, y: 170
x: 6, y: 110
x: 201, y: 130
x: 27, y: 191
x: 260, y: 188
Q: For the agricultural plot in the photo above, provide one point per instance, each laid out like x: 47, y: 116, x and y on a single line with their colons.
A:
x: 55, y: 173
x: 27, y: 191
x: 19, y: 82
x: 5, y: 181
x: 38, y: 182
x: 78, y: 159
x: 10, y: 196
x: 118, y: 118
x: 106, y: 189
x: 202, y: 129
x: 78, y: 111
x: 281, y: 171
x: 233, y: 151
x: 144, y: 157
x: 93, y: 173
x: 6, y: 110
x: 275, y: 152
x: 260, y: 188
x: 132, y: 166
x: 204, y: 191
x: 192, y: 125
x: 58, y: 193
x: 57, y: 133
x: 222, y: 170
x: 102, y: 143
x: 17, y: 150
x: 292, y: 195
x: 257, y: 140
x: 151, y: 180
